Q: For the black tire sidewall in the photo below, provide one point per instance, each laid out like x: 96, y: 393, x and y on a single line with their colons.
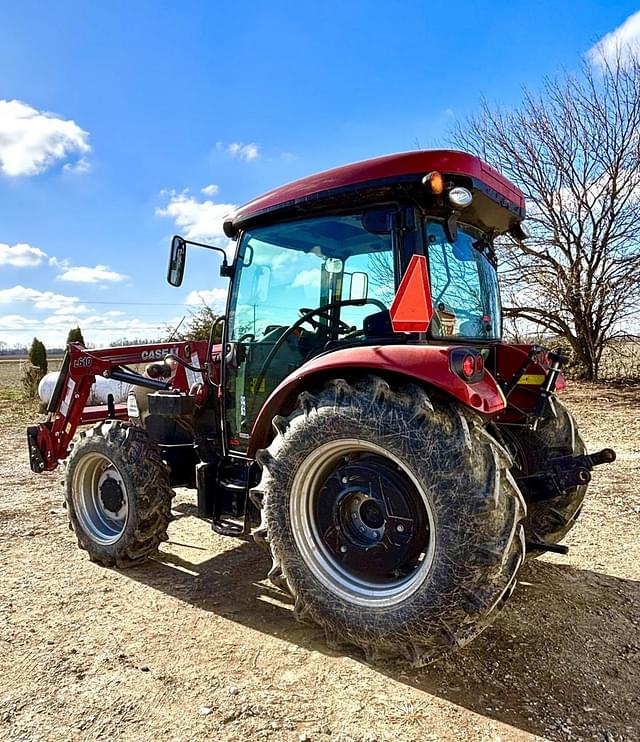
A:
x: 460, y: 480
x: 128, y: 449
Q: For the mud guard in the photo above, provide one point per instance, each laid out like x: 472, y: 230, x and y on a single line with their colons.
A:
x: 429, y: 364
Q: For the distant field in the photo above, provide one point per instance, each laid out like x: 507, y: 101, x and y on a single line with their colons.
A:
x: 11, y: 371
x: 621, y: 360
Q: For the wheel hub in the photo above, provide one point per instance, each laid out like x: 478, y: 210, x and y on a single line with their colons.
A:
x: 100, y: 498
x: 369, y: 519
x: 111, y: 495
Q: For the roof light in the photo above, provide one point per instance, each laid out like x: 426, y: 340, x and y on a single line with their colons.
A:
x: 460, y: 197
x: 434, y: 181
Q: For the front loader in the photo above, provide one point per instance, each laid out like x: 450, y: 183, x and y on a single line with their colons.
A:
x: 361, y: 417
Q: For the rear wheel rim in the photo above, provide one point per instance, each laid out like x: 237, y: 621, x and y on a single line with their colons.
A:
x: 362, y: 522
x: 100, y: 498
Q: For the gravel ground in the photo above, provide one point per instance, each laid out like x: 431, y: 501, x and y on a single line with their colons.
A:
x: 196, y: 645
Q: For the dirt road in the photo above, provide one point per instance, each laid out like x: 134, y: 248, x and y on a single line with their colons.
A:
x: 195, y: 645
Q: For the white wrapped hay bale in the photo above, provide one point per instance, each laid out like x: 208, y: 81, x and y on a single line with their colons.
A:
x: 99, y: 391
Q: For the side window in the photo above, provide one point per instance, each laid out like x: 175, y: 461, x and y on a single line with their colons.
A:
x: 464, y: 287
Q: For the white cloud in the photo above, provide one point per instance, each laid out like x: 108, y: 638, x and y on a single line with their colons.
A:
x: 623, y: 43
x: 55, y: 314
x: 13, y: 321
x: 309, y: 277
x: 31, y: 140
x: 210, y: 190
x: 198, y: 220
x: 78, y: 168
x: 41, y: 299
x: 86, y: 274
x: 245, y: 152
x: 21, y: 255
x: 211, y: 297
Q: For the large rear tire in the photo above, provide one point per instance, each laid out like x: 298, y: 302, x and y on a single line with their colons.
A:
x: 548, y: 521
x: 117, y: 494
x: 393, y: 521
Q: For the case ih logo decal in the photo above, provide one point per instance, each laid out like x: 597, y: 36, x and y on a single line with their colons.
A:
x: 158, y: 354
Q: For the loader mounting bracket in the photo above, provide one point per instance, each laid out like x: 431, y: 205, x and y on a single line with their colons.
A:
x: 36, y: 459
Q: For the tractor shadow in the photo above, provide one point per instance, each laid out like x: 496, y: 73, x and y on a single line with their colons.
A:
x: 561, y: 660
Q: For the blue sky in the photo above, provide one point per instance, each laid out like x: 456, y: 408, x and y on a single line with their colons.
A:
x: 115, y: 116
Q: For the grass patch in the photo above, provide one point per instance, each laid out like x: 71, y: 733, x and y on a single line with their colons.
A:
x: 14, y: 395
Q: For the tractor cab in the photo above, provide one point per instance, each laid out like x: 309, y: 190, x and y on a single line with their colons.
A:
x: 319, y: 263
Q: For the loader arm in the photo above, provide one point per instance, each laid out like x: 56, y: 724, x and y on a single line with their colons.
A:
x: 67, y: 409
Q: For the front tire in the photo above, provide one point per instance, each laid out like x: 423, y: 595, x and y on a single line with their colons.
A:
x: 393, y: 521
x: 117, y: 494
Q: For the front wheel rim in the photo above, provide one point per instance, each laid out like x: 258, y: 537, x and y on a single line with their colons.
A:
x: 362, y: 522
x: 100, y: 498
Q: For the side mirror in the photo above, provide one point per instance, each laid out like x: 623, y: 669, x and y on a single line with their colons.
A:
x: 359, y: 287
x: 177, y: 258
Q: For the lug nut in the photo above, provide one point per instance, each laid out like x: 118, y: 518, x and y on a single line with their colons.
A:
x: 400, y: 528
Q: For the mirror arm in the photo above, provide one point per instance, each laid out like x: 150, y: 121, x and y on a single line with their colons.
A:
x: 226, y: 269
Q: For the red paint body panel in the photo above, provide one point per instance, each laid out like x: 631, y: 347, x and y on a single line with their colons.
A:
x: 379, y: 169
x: 412, y: 309
x: 419, y: 363
x: 524, y: 398
x: 54, y: 436
x: 92, y: 415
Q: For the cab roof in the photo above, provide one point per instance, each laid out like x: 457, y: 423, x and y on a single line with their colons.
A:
x: 381, y: 172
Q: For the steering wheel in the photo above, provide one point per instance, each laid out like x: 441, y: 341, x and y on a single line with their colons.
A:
x: 342, y: 328
x: 305, y: 316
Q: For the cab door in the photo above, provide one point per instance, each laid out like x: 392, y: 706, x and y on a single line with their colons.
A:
x: 290, y: 302
x: 273, y: 283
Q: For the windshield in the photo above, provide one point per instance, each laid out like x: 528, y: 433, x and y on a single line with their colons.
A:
x: 293, y: 267
x: 464, y: 284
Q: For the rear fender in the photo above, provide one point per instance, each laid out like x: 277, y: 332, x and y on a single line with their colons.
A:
x: 427, y: 364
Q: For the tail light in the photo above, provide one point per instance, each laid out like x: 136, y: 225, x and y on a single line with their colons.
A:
x: 467, y: 363
x: 468, y: 366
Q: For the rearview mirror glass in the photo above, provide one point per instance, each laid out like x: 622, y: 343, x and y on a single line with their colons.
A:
x: 177, y: 258
x: 359, y: 286
x: 378, y: 222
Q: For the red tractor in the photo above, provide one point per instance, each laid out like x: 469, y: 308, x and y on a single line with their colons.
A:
x: 361, y: 418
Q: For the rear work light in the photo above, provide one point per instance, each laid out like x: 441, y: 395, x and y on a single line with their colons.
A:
x: 467, y: 363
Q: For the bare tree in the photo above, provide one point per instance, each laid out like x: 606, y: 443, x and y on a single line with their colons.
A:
x: 575, y: 152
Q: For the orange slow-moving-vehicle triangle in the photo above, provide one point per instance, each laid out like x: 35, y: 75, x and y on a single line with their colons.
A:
x: 411, y: 310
